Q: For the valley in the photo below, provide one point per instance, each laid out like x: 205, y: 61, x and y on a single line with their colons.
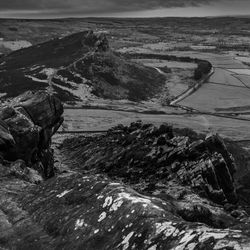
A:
x: 125, y: 133
x: 214, y: 104
x: 220, y: 105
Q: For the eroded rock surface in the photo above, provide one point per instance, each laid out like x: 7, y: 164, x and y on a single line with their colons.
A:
x: 93, y: 212
x: 188, y: 177
x: 136, y: 187
x: 27, y: 124
x: 147, y: 157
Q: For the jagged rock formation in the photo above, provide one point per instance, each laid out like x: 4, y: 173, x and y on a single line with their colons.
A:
x: 136, y: 187
x: 92, y: 212
x: 185, y: 195
x: 27, y: 124
x: 77, y: 67
x: 144, y: 154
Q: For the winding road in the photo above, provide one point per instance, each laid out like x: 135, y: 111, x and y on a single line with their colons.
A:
x: 226, y: 89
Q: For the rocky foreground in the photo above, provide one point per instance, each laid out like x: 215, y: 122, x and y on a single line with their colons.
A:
x: 136, y: 187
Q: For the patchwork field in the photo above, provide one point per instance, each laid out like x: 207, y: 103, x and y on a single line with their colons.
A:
x: 226, y: 88
x: 245, y: 79
x: 240, y: 71
x: 222, y: 76
x: 197, y: 34
x: 212, y: 96
x: 226, y: 91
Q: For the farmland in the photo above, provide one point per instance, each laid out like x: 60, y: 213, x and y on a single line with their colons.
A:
x: 225, y: 93
x: 134, y: 133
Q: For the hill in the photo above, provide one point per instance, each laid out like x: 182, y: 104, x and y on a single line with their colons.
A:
x: 77, y: 67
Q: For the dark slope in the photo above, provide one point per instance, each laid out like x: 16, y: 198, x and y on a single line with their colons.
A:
x: 113, y: 77
x: 136, y: 187
x: 77, y: 66
x: 56, y: 52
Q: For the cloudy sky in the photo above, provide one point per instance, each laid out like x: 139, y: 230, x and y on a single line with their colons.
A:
x: 122, y: 8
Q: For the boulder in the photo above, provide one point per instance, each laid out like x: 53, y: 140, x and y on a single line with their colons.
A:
x: 27, y: 124
x: 135, y: 187
x: 152, y: 155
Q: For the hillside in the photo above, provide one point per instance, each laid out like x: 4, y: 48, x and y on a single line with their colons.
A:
x: 77, y: 67
x: 134, y: 134
x: 157, y: 187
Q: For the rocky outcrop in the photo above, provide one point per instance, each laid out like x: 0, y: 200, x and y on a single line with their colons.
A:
x: 27, y: 124
x: 77, y: 67
x: 145, y: 154
x: 31, y: 68
x: 93, y: 212
x: 182, y: 197
x: 136, y: 187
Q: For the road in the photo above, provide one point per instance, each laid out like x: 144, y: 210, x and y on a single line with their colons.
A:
x: 227, y: 88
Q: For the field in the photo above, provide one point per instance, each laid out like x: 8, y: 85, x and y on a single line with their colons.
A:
x: 94, y: 120
x: 224, y: 42
x: 220, y: 34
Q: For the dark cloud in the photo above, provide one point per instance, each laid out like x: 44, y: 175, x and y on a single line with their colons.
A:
x: 96, y: 5
x: 99, y: 6
x: 33, y: 4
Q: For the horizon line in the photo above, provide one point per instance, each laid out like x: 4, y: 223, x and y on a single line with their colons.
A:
x: 124, y: 17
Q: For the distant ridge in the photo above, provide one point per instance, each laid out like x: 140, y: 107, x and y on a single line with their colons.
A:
x: 77, y: 67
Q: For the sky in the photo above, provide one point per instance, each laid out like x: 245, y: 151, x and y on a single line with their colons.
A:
x: 121, y: 8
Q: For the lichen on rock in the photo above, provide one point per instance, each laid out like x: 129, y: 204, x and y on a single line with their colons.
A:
x: 134, y: 187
